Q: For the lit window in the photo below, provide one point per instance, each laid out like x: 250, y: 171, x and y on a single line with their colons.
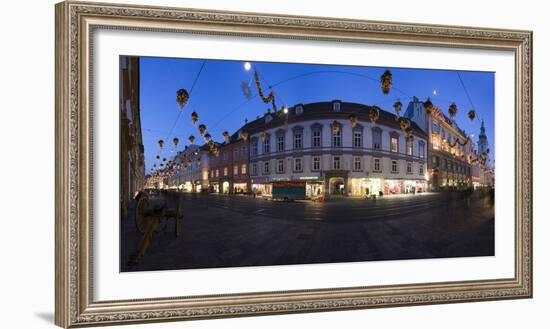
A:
x: 243, y: 169
x: 235, y: 170
x: 217, y: 173
x: 225, y: 171
x: 394, y: 144
x: 409, y: 148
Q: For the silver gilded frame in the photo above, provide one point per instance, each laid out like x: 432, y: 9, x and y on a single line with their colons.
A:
x: 76, y: 22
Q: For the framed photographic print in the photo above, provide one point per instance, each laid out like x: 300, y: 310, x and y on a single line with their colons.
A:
x: 217, y: 164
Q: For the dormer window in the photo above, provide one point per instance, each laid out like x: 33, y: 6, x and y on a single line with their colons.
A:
x: 299, y: 109
x: 336, y: 106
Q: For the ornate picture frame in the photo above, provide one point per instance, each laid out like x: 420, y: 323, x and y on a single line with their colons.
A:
x: 75, y: 24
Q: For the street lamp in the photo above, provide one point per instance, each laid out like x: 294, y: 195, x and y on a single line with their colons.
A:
x: 247, y: 66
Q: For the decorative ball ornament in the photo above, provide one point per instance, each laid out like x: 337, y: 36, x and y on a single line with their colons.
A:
x: 158, y: 157
x: 410, y: 138
x: 452, y: 110
x: 202, y: 129
x: 428, y: 106
x: 163, y: 159
x: 194, y: 117
x: 161, y: 143
x: 386, y: 82
x: 176, y: 141
x: 192, y: 139
x: 404, y: 123
x: 374, y: 114
x: 182, y: 97
x: 397, y: 106
x: 472, y: 115
x: 207, y: 137
x: 225, y: 135
x: 353, y: 120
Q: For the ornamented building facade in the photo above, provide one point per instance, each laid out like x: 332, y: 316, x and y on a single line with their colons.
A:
x: 320, y: 144
x: 191, y: 169
x: 450, y: 150
x: 229, y: 167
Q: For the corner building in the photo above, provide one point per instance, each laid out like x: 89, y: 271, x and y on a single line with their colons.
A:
x: 334, y: 154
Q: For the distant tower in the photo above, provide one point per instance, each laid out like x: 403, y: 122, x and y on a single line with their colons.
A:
x: 482, y: 143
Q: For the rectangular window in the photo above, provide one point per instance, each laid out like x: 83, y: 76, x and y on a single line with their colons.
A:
x: 225, y: 171
x: 336, y: 163
x: 394, y: 144
x: 316, y: 163
x: 357, y: 140
x: 316, y: 138
x: 243, y: 169
x: 421, y: 169
x: 376, y: 139
x: 224, y: 155
x: 409, y: 148
x: 409, y: 168
x: 267, y: 146
x: 298, y: 141
x: 266, y: 167
x: 337, y: 138
x: 254, y: 169
x: 254, y: 149
x: 217, y: 173
x: 394, y: 166
x: 298, y: 165
x: 357, y: 163
x: 421, y: 149
x: 280, y: 166
x: 281, y: 143
x: 235, y: 170
x: 235, y: 153
x: 377, y: 165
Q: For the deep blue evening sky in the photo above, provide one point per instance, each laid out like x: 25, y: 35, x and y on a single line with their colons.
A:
x: 218, y: 99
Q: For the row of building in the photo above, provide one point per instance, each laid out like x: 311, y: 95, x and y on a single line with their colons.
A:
x: 336, y: 149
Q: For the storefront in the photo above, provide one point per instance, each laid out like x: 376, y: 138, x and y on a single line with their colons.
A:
x: 261, y: 186
x: 415, y: 186
x: 240, y: 188
x: 187, y: 186
x: 314, y: 186
x: 393, y: 186
x: 225, y: 187
x: 365, y: 186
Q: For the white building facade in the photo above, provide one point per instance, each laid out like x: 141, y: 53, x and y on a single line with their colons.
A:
x: 320, y: 144
x: 191, y: 169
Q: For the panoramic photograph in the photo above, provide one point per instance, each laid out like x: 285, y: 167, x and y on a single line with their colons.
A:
x: 228, y: 163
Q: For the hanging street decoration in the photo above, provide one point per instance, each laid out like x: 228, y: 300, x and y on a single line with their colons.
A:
x: 270, y: 97
x: 163, y: 159
x: 182, y: 97
x: 397, y: 106
x: 247, y: 91
x: 353, y: 120
x: 161, y: 143
x: 176, y: 141
x: 158, y: 157
x: 202, y: 129
x: 335, y: 126
x: 264, y: 136
x: 207, y: 137
x: 226, y: 136
x: 194, y: 117
x: 386, y: 82
x: 452, y: 110
x: 404, y: 123
x: 244, y: 135
x: 191, y: 139
x: 428, y: 106
x: 472, y: 115
x: 374, y: 113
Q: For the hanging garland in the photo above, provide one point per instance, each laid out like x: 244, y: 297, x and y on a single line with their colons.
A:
x: 397, y: 106
x: 270, y: 97
x: 386, y: 82
x: 374, y: 114
x: 452, y: 110
x: 182, y: 97
x: 353, y: 120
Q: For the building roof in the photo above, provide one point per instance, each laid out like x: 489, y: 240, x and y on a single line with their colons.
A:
x: 324, y: 110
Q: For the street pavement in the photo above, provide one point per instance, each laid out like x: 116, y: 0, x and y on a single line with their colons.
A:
x: 236, y: 230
